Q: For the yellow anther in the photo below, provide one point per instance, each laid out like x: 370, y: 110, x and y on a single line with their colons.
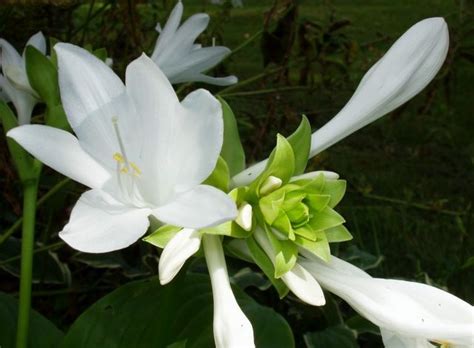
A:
x: 136, y: 170
x: 118, y: 157
x: 124, y: 170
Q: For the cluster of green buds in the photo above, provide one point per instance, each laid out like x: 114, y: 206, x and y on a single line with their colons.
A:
x: 282, y: 213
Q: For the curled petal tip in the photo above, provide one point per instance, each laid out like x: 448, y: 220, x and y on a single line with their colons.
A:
x: 179, y: 249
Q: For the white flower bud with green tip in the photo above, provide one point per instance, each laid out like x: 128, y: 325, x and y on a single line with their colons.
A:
x: 176, y: 252
x: 408, y: 66
x: 232, y: 329
x: 245, y: 217
x: 270, y: 184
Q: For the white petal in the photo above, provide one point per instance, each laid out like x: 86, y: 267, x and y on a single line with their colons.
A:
x: 9, y: 55
x: 38, y: 41
x: 23, y: 101
x: 61, y: 151
x: 303, y: 285
x: 99, y: 223
x: 183, y: 39
x: 203, y: 206
x: 410, y: 310
x: 167, y: 33
x: 183, y: 140
x: 392, y: 340
x: 410, y: 64
x: 86, y: 83
x: 232, y: 329
x: 13, y: 67
x: 193, y: 63
x: 311, y: 175
x: 180, y: 248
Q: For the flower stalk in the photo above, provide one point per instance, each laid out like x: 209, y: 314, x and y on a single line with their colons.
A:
x: 30, y: 191
x: 232, y: 329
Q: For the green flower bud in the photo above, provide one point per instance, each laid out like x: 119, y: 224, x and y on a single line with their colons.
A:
x: 302, y: 212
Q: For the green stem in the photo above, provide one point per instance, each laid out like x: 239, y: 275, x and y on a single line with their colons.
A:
x: 43, y: 199
x: 257, y: 77
x: 30, y: 191
x: 245, y: 43
x: 264, y: 91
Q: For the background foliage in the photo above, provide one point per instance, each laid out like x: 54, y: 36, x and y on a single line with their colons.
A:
x: 410, y: 175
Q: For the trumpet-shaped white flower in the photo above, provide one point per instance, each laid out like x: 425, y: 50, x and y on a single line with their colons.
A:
x: 138, y: 148
x: 409, y: 314
x: 14, y: 84
x: 408, y: 66
x: 232, y: 329
x: 180, y: 58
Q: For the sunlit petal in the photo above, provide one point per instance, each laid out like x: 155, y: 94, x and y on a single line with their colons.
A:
x: 99, y: 224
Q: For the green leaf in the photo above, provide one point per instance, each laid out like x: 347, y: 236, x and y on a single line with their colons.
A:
x: 336, y: 189
x: 232, y: 150
x: 361, y: 258
x: 362, y: 325
x: 326, y: 218
x: 162, y: 235
x: 266, y: 265
x: 228, y: 228
x: 42, y: 75
x: 338, y: 336
x: 286, y: 254
x: 146, y: 314
x: 23, y: 161
x: 320, y: 247
x: 300, y: 141
x: 56, y: 117
x: 219, y: 177
x: 338, y: 234
x: 281, y: 164
x: 43, y: 333
x: 100, y: 53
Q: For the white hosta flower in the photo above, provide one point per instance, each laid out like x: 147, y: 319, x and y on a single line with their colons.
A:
x: 138, y: 148
x: 180, y: 58
x: 409, y: 314
x: 14, y: 84
x: 232, y: 329
x: 408, y: 66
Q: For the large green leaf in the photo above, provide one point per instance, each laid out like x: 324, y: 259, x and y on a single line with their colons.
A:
x: 232, y: 150
x: 146, y: 314
x: 43, y: 334
x: 339, y: 336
